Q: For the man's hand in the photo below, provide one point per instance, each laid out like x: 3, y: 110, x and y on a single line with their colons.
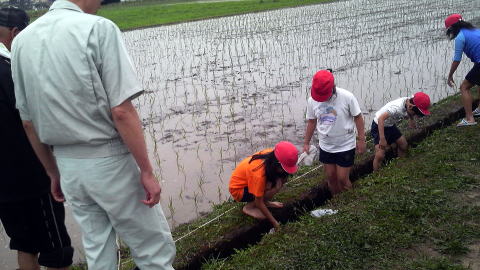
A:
x: 55, y: 187
x: 361, y: 146
x: 306, y: 148
x: 383, y: 143
x: 152, y: 188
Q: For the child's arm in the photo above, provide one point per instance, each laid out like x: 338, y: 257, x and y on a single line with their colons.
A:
x: 381, y: 130
x: 260, y: 204
x: 311, y: 124
x: 360, y: 124
x: 411, y: 122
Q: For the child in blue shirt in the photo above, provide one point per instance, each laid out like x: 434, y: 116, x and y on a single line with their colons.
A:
x: 467, y: 40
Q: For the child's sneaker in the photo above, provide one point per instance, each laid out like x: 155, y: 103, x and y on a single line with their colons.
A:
x: 476, y: 112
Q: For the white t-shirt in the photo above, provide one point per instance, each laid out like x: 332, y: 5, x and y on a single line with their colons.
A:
x: 396, y: 112
x: 335, y: 125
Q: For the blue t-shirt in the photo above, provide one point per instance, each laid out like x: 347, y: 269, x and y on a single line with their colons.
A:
x: 468, y: 42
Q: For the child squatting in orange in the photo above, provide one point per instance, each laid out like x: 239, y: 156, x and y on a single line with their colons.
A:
x: 259, y: 177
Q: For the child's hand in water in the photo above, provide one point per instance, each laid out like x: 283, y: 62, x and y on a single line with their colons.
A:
x: 383, y: 143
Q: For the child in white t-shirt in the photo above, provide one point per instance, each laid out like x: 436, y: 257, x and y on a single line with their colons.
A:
x: 335, y: 114
x: 384, y: 130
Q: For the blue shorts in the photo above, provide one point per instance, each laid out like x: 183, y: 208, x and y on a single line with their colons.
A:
x: 342, y: 159
x: 473, y: 75
x: 392, y: 134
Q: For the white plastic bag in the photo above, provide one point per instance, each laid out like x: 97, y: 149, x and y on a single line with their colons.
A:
x: 307, y: 159
x: 323, y: 212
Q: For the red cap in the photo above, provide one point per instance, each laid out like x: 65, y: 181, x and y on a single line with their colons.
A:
x: 452, y: 19
x: 287, y: 155
x: 422, y: 101
x: 322, y: 85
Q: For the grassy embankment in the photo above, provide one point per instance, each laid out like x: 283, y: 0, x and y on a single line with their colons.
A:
x: 422, y: 212
x: 414, y: 214
x: 216, y: 231
x: 151, y: 13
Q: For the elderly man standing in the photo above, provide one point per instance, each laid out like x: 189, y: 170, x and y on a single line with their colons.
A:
x: 31, y: 218
x: 74, y: 83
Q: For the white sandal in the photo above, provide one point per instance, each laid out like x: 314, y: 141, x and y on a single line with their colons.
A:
x: 464, y: 123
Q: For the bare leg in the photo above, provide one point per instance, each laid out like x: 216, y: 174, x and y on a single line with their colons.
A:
x: 331, y: 174
x: 343, y: 178
x: 402, y: 146
x: 379, y: 156
x: 28, y: 261
x: 251, y: 210
x: 467, y: 99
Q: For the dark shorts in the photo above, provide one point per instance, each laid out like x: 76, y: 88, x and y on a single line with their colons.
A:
x: 392, y: 134
x: 247, y: 196
x: 473, y: 76
x: 37, y: 226
x: 342, y: 159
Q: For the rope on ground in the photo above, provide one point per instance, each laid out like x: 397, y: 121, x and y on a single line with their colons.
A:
x: 117, y: 241
x: 204, y: 224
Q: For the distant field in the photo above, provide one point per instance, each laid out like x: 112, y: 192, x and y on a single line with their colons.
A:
x: 134, y: 15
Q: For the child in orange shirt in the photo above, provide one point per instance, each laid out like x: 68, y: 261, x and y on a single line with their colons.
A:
x: 259, y: 177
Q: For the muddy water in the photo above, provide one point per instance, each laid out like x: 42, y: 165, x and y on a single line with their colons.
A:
x: 219, y: 90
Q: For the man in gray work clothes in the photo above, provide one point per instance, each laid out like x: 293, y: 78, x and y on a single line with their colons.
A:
x: 74, y: 83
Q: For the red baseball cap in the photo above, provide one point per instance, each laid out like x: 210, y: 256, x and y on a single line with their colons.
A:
x: 322, y: 85
x: 422, y: 101
x: 452, y: 19
x: 287, y: 155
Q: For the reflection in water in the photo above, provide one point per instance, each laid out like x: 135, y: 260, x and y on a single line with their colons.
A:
x: 218, y: 90
x: 221, y: 89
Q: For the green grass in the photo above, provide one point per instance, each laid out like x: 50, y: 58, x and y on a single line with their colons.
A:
x: 384, y: 222
x: 151, y: 13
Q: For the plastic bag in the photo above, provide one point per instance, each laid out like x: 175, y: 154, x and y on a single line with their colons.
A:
x: 323, y: 212
x: 307, y: 159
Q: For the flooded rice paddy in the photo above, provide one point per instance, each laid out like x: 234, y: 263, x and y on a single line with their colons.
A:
x: 218, y: 90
